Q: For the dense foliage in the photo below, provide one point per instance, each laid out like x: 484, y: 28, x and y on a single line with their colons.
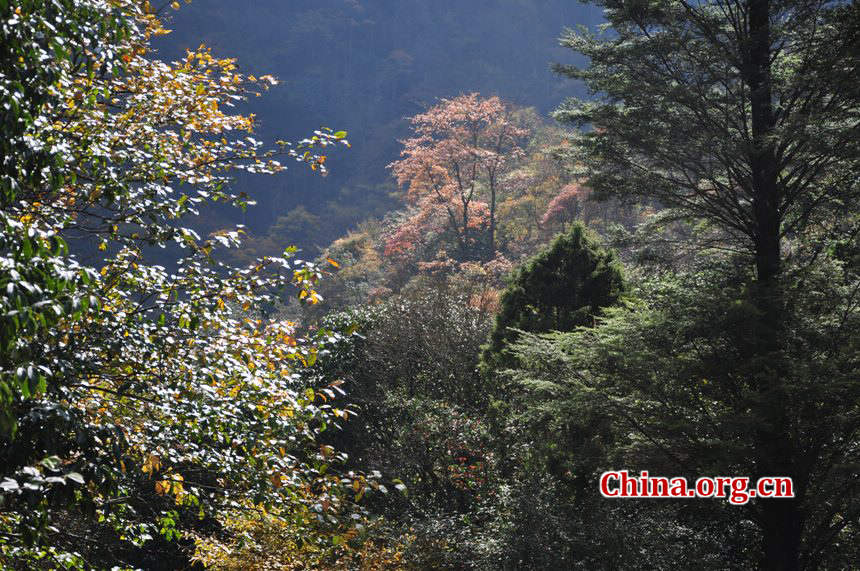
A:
x: 666, y: 281
x: 139, y: 398
x: 756, y: 138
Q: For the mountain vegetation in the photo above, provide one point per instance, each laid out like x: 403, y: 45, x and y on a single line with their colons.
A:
x: 486, y: 313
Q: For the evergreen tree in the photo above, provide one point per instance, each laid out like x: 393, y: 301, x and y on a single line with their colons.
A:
x: 665, y: 384
x: 742, y: 114
x: 559, y: 289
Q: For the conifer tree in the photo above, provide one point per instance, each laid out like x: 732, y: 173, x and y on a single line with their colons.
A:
x: 559, y: 289
x: 741, y: 114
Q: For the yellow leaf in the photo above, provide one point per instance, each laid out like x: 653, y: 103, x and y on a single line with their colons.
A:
x: 152, y: 464
x: 332, y: 262
x: 174, y: 5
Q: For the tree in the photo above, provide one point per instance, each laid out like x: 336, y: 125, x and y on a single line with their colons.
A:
x: 664, y: 384
x: 742, y: 114
x: 44, y: 45
x: 131, y: 391
x: 565, y: 206
x: 563, y: 287
x: 458, y: 155
x: 736, y: 112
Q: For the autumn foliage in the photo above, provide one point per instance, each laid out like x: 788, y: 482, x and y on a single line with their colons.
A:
x: 452, y: 170
x: 137, y: 396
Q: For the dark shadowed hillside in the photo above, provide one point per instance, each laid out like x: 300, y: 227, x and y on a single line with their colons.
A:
x: 363, y: 66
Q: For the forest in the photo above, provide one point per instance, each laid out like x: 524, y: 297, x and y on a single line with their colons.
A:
x: 409, y: 285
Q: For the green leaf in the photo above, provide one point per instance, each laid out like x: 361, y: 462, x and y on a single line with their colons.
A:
x: 51, y: 462
x: 9, y: 485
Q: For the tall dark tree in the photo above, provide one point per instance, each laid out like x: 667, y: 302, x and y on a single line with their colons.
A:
x: 743, y: 114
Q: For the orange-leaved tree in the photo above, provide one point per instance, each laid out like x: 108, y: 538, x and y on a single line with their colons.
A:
x: 452, y: 168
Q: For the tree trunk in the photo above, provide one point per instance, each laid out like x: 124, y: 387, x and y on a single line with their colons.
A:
x: 763, y: 161
x: 781, y: 519
x: 782, y: 524
x: 465, y: 253
x: 492, y: 252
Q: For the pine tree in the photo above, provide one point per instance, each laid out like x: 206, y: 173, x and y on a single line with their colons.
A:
x: 741, y: 114
x: 558, y: 289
